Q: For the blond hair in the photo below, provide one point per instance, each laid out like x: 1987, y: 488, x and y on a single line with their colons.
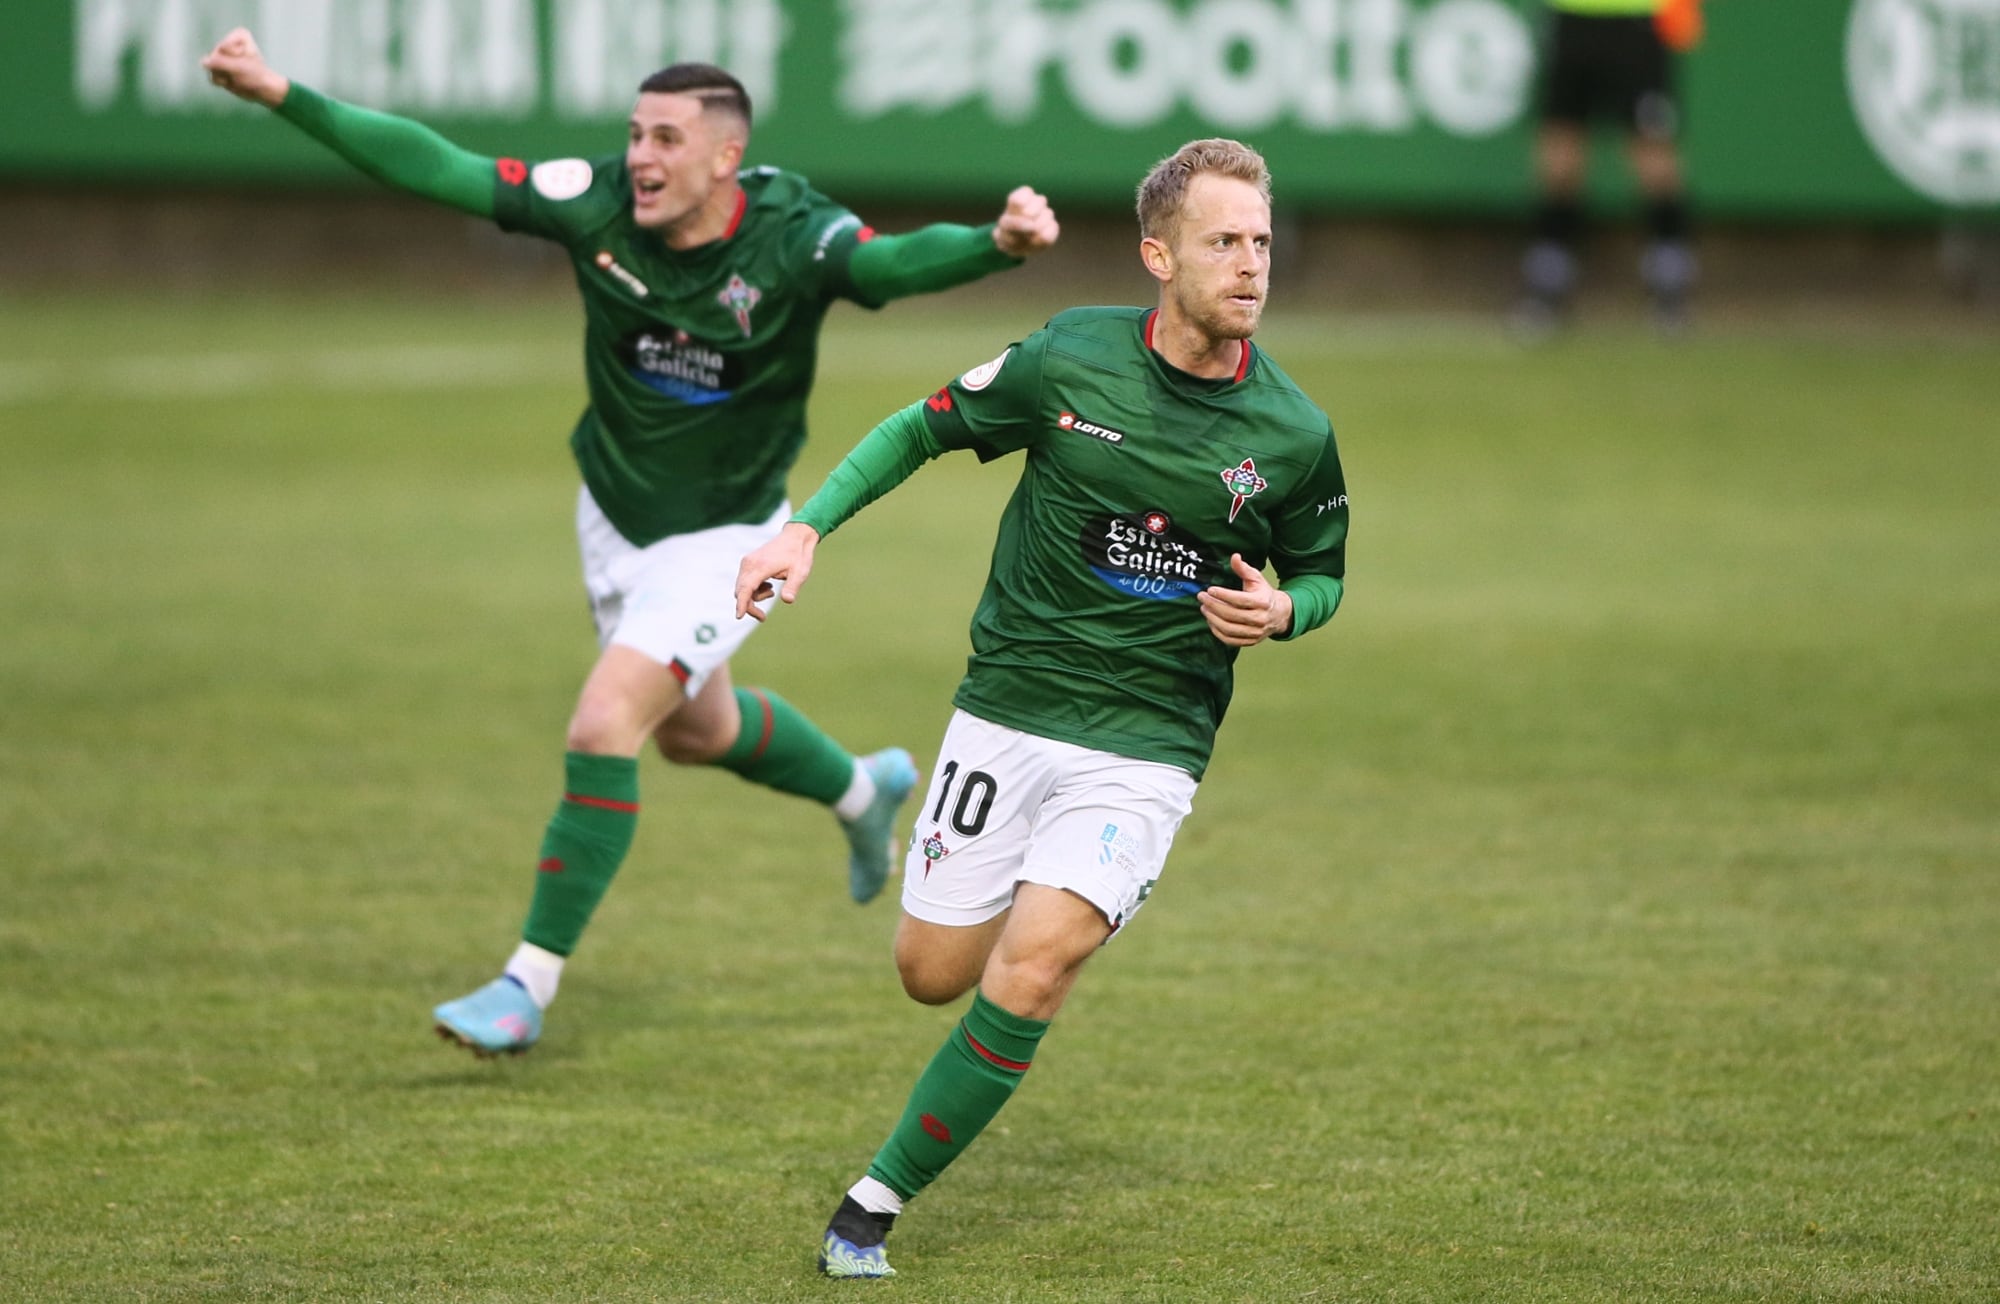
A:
x: 1164, y: 190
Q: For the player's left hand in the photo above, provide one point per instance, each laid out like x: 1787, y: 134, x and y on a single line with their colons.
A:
x: 1027, y: 226
x: 1249, y: 615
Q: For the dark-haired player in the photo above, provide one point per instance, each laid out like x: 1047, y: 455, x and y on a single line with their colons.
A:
x: 1168, y: 461
x: 704, y: 286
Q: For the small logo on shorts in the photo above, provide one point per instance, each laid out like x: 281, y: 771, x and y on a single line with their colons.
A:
x: 934, y: 850
x: 704, y: 634
x: 1119, y: 847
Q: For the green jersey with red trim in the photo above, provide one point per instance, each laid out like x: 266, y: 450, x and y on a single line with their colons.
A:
x: 1139, y: 482
x: 698, y: 361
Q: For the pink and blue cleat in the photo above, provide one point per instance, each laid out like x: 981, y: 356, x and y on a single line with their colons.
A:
x: 871, y: 839
x: 498, y: 1019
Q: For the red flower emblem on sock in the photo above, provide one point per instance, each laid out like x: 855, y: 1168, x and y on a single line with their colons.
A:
x: 938, y: 1131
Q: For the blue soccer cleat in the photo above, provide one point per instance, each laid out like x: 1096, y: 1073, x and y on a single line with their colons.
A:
x: 498, y: 1019
x: 853, y: 1244
x: 871, y: 839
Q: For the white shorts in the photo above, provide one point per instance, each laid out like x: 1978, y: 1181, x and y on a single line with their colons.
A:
x: 1006, y: 808
x: 674, y: 600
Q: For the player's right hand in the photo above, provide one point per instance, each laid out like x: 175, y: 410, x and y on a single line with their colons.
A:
x: 788, y: 556
x: 237, y: 66
x: 1027, y: 225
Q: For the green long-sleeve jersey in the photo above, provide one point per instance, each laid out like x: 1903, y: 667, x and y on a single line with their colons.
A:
x: 698, y: 362
x: 1139, y: 482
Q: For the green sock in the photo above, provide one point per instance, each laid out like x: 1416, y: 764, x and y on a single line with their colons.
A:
x: 970, y: 1077
x: 586, y: 842
x: 781, y: 749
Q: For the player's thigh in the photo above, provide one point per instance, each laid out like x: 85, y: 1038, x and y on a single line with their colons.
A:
x: 939, y: 963
x: 1049, y: 934
x: 672, y: 600
x: 977, y: 818
x: 1103, y: 833
x: 623, y: 700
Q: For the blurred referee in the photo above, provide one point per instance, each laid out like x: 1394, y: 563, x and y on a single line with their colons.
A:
x: 1609, y: 60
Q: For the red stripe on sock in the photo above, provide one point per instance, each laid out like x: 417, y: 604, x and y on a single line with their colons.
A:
x: 770, y: 723
x: 1014, y: 1066
x: 603, y: 803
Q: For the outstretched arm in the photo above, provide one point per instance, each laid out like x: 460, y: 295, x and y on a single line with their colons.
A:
x: 946, y: 254
x: 393, y: 150
x: 888, y: 455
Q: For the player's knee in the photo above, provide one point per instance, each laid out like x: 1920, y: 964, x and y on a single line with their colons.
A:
x: 1035, y: 984
x: 603, y: 730
x: 1035, y: 980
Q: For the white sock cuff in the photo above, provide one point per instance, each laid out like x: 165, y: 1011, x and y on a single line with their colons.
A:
x: 875, y: 1197
x: 537, y: 970
x: 860, y: 795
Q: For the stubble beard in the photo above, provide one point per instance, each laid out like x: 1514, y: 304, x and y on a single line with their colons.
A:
x: 1223, y: 320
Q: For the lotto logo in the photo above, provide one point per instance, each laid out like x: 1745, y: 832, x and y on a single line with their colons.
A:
x: 1071, y: 421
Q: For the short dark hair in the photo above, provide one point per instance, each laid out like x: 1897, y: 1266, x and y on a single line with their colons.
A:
x: 715, y: 88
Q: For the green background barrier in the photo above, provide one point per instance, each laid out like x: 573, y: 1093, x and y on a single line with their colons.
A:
x: 1869, y: 109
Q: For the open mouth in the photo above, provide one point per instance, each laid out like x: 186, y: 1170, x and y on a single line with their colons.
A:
x: 645, y: 192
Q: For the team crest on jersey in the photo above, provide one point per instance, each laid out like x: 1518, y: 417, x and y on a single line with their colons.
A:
x: 739, y: 296
x: 1243, y: 484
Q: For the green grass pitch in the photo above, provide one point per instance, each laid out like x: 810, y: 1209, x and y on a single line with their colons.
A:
x: 1603, y: 908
